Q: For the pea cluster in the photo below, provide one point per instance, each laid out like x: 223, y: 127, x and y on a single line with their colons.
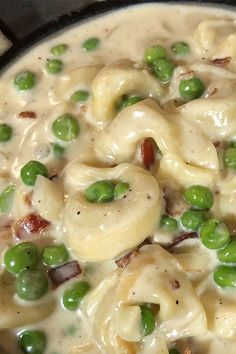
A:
x: 163, y: 67
x: 213, y: 233
x: 106, y: 191
x: 27, y: 264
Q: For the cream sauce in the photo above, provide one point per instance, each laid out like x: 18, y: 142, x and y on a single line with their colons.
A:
x: 104, y: 141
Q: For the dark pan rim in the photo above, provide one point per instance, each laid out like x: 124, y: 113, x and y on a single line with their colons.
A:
x: 92, y: 10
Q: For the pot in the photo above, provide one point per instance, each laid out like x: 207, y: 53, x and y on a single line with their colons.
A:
x: 32, y: 21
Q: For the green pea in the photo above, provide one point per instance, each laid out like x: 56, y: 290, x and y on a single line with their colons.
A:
x: 163, y: 69
x: 191, y: 89
x: 6, y: 198
x: 193, y: 219
x: 31, y: 170
x: 74, y: 295
x: 25, y: 81
x: 225, y: 276
x: 54, y: 66
x: 100, y: 192
x: 91, y: 44
x: 228, y: 253
x: 5, y: 132
x: 58, y: 150
x: 180, y: 48
x: 168, y: 223
x: 128, y: 101
x: 120, y: 189
x: 233, y: 144
x: 148, y: 320
x: 229, y: 157
x: 31, y: 285
x: 55, y: 255
x: 66, y: 127
x: 199, y: 196
x: 174, y: 351
x: 24, y: 255
x: 79, y: 96
x: 59, y: 49
x: 153, y: 53
x: 214, y: 234
x: 33, y: 342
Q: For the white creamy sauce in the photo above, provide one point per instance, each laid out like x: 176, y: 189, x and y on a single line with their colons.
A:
x: 201, y: 319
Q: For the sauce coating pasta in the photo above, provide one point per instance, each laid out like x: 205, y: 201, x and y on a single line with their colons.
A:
x: 118, y: 187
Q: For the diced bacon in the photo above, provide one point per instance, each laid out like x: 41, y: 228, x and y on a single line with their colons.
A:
x: 175, y: 284
x: 30, y: 224
x: 186, y: 74
x: 175, y: 204
x: 221, y: 61
x: 182, y: 238
x: 187, y: 351
x: 63, y: 273
x: 124, y: 261
x: 28, y: 114
x: 147, y: 153
x: 28, y: 199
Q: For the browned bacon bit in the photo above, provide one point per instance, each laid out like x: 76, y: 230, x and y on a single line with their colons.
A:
x: 186, y: 73
x: 28, y: 114
x: 187, y: 351
x: 221, y: 61
x: 63, y: 273
x: 124, y: 261
x: 218, y: 144
x: 28, y: 199
x: 30, y: 224
x: 213, y: 92
x: 147, y: 153
x: 182, y: 238
x: 175, y: 284
x: 175, y: 204
x: 83, y: 109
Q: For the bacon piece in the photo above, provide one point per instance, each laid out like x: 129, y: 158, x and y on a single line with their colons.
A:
x: 83, y: 109
x: 182, y: 238
x: 63, y: 273
x: 28, y: 114
x: 147, y: 153
x: 187, y: 351
x: 125, y: 260
x: 175, y: 284
x: 30, y: 224
x: 175, y: 204
x: 28, y: 199
x: 221, y: 61
x: 186, y: 73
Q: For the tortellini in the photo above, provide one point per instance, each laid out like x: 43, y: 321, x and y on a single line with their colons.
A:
x: 210, y: 34
x: 118, y: 142
x: 47, y: 198
x: 149, y: 278
x: 118, y: 79
x: 91, y: 229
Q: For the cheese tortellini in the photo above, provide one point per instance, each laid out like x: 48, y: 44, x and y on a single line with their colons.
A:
x: 112, y: 309
x: 118, y: 142
x: 91, y: 229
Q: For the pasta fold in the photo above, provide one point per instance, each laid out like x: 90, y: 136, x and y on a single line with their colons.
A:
x: 118, y: 142
x: 116, y: 80
x: 148, y: 278
x: 91, y: 229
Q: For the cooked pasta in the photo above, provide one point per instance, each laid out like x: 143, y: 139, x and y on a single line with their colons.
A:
x: 118, y: 187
